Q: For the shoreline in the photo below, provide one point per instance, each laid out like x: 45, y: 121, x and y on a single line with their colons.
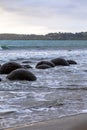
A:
x: 72, y: 122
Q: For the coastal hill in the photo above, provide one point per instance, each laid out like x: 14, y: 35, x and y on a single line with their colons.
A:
x: 49, y: 36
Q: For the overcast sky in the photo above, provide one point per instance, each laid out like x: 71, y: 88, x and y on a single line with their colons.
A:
x: 43, y: 16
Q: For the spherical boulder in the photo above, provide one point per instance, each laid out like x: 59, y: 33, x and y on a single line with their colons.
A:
x: 8, y: 67
x: 21, y: 74
x: 43, y: 66
x: 49, y: 63
x: 71, y: 62
x: 60, y: 61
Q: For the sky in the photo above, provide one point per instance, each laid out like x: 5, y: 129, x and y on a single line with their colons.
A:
x: 43, y: 16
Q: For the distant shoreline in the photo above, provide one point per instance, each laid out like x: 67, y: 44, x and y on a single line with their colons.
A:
x: 49, y: 36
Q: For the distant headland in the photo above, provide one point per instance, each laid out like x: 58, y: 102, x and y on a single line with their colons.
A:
x: 49, y: 36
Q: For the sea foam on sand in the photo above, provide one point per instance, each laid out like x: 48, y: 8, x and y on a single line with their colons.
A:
x: 75, y: 122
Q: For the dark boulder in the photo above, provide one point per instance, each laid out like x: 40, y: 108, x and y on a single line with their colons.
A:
x: 0, y: 79
x: 21, y: 74
x: 49, y: 63
x: 60, y: 61
x: 71, y: 62
x: 25, y: 62
x: 43, y: 66
x: 26, y: 66
x: 8, y: 67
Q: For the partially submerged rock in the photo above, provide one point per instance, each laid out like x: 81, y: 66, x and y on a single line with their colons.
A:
x: 27, y: 61
x: 26, y: 66
x: 71, y: 62
x: 60, y: 61
x: 0, y: 79
x: 8, y: 67
x: 21, y: 74
x: 43, y: 66
x: 43, y: 63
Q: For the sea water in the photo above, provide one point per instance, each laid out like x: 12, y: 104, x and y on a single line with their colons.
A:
x: 58, y: 91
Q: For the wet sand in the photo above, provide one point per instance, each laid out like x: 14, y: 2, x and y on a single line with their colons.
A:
x: 74, y: 122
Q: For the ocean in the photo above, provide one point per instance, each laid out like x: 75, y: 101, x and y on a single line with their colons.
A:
x: 57, y: 92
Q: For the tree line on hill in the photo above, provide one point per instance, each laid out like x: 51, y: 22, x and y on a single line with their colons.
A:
x: 49, y: 36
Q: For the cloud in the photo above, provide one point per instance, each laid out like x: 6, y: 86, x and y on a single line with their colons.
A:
x: 43, y: 15
x: 39, y: 5
x: 44, y: 8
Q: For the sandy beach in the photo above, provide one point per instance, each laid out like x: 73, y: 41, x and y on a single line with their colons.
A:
x: 74, y: 122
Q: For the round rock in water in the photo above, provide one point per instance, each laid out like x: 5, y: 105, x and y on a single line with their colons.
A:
x: 60, y: 61
x: 26, y: 66
x: 8, y: 67
x: 43, y: 66
x: 21, y: 74
x: 49, y: 63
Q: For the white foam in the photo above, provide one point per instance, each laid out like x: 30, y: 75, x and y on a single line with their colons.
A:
x: 6, y: 111
x: 84, y: 111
